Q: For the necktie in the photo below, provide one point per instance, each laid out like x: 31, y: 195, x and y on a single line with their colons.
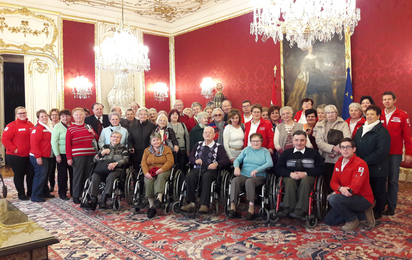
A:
x: 99, y: 126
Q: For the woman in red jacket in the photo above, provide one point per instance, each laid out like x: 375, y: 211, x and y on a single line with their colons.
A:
x: 261, y: 126
x: 16, y: 139
x: 41, y: 156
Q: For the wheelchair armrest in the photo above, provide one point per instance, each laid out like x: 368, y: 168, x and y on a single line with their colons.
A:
x: 176, y: 165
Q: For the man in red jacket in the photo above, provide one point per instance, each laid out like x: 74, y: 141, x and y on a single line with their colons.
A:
x: 397, y: 122
x: 352, y: 198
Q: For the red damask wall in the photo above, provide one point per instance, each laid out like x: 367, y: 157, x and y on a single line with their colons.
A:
x: 159, y: 69
x: 382, y: 51
x: 228, y: 53
x: 78, y: 60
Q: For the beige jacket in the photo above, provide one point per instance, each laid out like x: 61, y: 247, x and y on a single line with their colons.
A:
x: 325, y: 149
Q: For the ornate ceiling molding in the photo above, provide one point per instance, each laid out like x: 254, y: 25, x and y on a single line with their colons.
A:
x: 165, y: 10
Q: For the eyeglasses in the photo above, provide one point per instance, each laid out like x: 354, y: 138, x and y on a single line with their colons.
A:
x: 256, y: 141
x: 346, y: 147
x: 22, y: 113
x: 217, y: 115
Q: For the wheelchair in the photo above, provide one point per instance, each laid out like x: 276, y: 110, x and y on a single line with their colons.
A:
x: 134, y: 188
x: 318, y: 205
x: 264, y: 193
x: 4, y: 187
x: 117, y: 192
x: 217, y: 192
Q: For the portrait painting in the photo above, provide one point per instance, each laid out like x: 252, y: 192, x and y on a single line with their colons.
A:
x: 317, y: 72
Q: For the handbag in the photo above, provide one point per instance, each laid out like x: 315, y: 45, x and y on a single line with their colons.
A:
x: 94, y: 142
x: 102, y: 167
x: 334, y: 136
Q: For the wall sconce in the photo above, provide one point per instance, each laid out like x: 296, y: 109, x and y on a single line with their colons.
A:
x: 207, y: 86
x: 160, y: 91
x: 81, y: 87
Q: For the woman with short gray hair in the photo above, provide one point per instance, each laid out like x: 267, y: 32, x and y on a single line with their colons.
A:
x: 329, y: 133
x: 196, y: 135
x: 218, y: 124
x: 356, y: 120
x: 114, y: 119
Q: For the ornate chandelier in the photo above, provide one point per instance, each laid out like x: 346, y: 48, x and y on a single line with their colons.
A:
x: 122, y: 53
x: 207, y: 86
x: 303, y: 21
x: 160, y: 91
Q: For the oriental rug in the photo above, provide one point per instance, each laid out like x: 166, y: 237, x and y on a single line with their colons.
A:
x: 110, y: 234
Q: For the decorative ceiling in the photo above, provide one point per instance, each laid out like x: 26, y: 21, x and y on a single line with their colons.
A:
x: 165, y: 10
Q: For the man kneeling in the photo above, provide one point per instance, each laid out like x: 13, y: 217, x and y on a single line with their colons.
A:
x: 352, y: 198
x: 299, y: 166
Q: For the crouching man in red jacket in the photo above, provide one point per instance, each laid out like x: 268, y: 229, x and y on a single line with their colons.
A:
x: 352, y: 198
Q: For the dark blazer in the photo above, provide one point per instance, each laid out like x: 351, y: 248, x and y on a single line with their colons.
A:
x: 126, y: 124
x: 92, y: 120
x: 374, y: 149
x: 139, y: 138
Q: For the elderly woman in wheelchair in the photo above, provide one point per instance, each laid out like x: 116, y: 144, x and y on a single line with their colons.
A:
x: 255, y: 159
x: 108, y: 162
x: 157, y: 162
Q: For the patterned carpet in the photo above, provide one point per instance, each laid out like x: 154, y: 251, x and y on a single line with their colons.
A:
x: 110, y: 234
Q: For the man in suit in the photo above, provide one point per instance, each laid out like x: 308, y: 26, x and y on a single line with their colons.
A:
x: 98, y: 121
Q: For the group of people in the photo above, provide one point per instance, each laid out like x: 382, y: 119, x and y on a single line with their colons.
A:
x: 359, y: 158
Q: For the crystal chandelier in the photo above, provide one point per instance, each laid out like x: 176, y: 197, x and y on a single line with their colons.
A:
x: 81, y: 87
x: 122, y: 53
x: 160, y: 91
x: 207, y: 86
x: 303, y: 21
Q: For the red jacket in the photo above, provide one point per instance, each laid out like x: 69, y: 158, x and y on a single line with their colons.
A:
x: 358, y: 125
x: 191, y: 123
x: 17, y: 135
x: 355, y: 175
x: 40, y: 141
x: 184, y: 119
x: 297, y: 116
x: 399, y: 128
x: 265, y: 129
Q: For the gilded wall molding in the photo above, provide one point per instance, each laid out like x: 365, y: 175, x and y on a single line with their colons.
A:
x: 25, y: 29
x: 172, y: 71
x: 38, y: 65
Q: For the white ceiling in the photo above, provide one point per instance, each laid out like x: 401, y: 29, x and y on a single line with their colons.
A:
x: 162, y: 16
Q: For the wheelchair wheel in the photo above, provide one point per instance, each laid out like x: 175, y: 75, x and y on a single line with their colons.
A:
x: 224, y: 186
x: 272, y: 192
x: 264, y: 213
x: 321, y: 198
x: 116, y: 203
x: 272, y: 216
x: 4, y: 191
x: 131, y: 180
x: 86, y: 191
x: 311, y: 222
x: 176, y: 207
x: 177, y: 184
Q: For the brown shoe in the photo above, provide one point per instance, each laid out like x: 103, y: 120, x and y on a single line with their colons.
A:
x: 188, y: 208
x: 203, y: 209
x: 370, y: 218
x: 350, y: 226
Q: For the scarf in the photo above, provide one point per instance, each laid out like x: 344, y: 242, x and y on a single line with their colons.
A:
x: 367, y: 127
x: 159, y: 151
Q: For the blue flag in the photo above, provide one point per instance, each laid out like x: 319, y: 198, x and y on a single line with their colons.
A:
x: 348, y: 97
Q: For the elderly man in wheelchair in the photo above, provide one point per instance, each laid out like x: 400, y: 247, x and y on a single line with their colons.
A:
x: 206, y: 155
x: 299, y: 167
x: 108, y: 162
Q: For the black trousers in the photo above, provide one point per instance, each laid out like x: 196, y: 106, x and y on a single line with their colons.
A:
x: 21, y: 167
x: 182, y: 159
x: 329, y: 167
x: 63, y: 172
x: 208, y: 176
x: 52, y: 174
x: 378, y: 185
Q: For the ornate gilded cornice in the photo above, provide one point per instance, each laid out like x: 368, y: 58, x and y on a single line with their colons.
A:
x: 165, y: 10
x: 38, y: 65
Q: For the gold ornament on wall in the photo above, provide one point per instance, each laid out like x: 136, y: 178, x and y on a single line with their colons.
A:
x: 41, y: 66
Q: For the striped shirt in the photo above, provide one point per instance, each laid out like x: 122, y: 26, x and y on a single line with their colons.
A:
x: 78, y: 141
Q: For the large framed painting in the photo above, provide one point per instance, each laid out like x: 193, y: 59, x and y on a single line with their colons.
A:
x: 317, y: 72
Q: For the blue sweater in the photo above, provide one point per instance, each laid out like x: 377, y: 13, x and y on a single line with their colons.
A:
x: 254, y: 160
